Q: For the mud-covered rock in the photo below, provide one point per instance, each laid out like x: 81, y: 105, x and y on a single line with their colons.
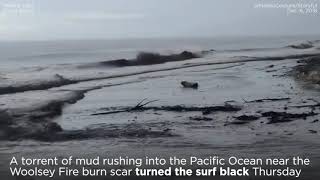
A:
x: 187, y: 84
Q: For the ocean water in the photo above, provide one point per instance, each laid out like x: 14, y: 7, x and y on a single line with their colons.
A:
x: 39, y: 53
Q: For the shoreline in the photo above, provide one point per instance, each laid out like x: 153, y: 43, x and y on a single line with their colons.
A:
x: 248, y: 108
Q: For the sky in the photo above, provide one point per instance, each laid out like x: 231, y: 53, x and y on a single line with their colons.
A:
x: 114, y: 19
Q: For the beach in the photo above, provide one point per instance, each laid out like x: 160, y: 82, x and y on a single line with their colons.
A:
x: 250, y: 102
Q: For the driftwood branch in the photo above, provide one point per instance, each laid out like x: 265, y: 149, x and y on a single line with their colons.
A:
x: 266, y: 99
x: 306, y: 106
x: 205, y: 110
x: 139, y: 106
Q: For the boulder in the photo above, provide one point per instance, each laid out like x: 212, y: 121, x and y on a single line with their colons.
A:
x: 187, y: 84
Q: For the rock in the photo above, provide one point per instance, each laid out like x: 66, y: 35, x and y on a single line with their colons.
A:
x: 187, y: 84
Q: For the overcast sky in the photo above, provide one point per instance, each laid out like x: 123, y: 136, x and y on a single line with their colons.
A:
x: 96, y: 19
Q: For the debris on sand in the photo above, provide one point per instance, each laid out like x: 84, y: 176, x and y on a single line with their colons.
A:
x: 267, y: 99
x: 200, y: 118
x: 178, y: 108
x: 270, y: 66
x: 237, y: 123
x: 313, y: 131
x: 187, y: 84
x: 244, y: 119
x: 247, y: 117
x: 307, y: 106
x: 139, y: 107
x: 280, y: 117
x: 314, y: 121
